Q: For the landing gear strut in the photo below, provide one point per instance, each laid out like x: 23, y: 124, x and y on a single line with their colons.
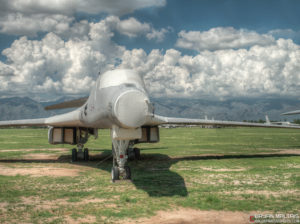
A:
x: 119, y: 169
x: 80, y: 153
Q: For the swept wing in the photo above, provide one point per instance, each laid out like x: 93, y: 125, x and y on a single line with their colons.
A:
x: 157, y: 120
x: 67, y: 104
x: 66, y: 120
x: 27, y: 122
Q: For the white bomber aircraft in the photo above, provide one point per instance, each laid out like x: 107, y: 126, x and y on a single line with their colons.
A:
x: 119, y: 102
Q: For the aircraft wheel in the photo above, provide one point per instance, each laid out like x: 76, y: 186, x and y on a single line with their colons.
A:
x: 115, y: 174
x: 131, y: 154
x: 137, y: 153
x: 86, y: 154
x: 74, y: 155
x: 127, y: 173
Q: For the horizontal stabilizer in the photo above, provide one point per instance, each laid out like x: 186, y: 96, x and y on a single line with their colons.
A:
x: 68, y: 104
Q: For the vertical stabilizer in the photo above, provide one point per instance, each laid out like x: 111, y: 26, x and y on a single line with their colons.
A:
x: 267, y: 120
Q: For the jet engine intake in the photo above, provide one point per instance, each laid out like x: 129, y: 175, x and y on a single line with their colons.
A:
x: 69, y: 135
x: 131, y: 109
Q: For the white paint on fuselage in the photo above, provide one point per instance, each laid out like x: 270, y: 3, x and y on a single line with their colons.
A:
x: 118, y: 98
x: 118, y: 77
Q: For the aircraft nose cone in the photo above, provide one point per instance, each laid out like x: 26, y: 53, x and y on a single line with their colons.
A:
x: 131, y: 109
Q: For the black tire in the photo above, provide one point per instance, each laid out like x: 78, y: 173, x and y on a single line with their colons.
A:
x: 137, y: 153
x: 74, y: 155
x: 86, y: 154
x: 115, y: 174
x: 131, y: 154
x: 127, y: 173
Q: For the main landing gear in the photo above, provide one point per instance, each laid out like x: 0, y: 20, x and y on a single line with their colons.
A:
x: 80, y: 153
x: 133, y: 153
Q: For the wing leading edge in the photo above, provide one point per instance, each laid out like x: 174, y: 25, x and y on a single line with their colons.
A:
x: 28, y: 122
x: 67, y: 104
x: 71, y: 119
x: 157, y: 120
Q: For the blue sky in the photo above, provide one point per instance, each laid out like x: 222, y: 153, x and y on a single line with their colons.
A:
x: 261, y: 16
x: 204, y: 48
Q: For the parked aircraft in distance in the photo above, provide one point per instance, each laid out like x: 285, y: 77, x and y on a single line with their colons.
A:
x: 291, y: 112
x: 119, y: 102
x: 280, y: 122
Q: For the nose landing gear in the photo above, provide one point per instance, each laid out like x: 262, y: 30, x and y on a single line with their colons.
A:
x: 120, y: 157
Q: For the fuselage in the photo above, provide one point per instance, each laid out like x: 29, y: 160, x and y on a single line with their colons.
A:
x: 118, y: 98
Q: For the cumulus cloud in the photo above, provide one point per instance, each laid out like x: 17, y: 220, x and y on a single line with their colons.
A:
x: 32, y: 16
x: 5, y: 70
x: 254, y: 72
x: 67, y: 61
x: 130, y: 27
x: 222, y: 38
x: 19, y: 24
x: 54, y: 66
x: 158, y: 35
x: 285, y: 33
x: 68, y: 7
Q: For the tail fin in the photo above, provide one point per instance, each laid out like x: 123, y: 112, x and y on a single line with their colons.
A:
x: 267, y: 120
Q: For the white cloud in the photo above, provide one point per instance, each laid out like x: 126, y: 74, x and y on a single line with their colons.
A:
x: 18, y: 24
x: 158, y: 35
x: 254, y: 72
x: 132, y: 27
x: 55, y: 66
x: 29, y: 17
x: 68, y: 61
x: 68, y: 7
x: 285, y: 33
x: 5, y: 70
x: 222, y: 38
x: 116, y: 7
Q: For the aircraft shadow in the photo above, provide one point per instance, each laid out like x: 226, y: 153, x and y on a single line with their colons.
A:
x: 152, y: 173
x: 152, y: 176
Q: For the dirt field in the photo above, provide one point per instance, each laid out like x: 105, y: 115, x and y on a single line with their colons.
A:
x: 37, y: 168
x: 192, y: 216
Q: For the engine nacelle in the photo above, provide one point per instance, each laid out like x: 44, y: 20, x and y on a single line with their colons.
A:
x: 150, y: 134
x: 70, y: 135
x: 62, y: 135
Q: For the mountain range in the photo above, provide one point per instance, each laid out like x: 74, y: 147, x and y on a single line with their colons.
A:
x: 234, y: 109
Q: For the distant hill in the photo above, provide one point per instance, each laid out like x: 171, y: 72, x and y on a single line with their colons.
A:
x: 25, y: 108
x: 234, y: 109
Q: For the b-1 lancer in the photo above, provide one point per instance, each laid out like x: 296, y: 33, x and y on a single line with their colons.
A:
x: 119, y: 102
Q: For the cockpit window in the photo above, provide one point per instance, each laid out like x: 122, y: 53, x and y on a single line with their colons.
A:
x: 130, y: 85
